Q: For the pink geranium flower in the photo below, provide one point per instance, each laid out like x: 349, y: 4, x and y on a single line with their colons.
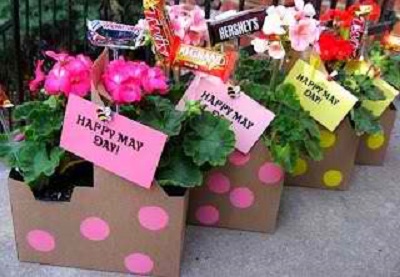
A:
x: 115, y: 75
x: 276, y: 50
x: 304, y: 33
x: 68, y: 75
x: 127, y: 93
x: 188, y: 23
x: 19, y: 137
x: 59, y: 57
x: 35, y: 84
x: 79, y: 75
x: 57, y: 81
x: 155, y: 81
x: 128, y: 81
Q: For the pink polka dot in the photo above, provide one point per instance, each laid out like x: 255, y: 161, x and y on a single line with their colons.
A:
x: 208, y: 215
x: 241, y: 197
x: 139, y: 263
x: 153, y: 218
x: 270, y: 173
x: 218, y: 183
x: 94, y: 228
x: 238, y: 158
x: 41, y: 241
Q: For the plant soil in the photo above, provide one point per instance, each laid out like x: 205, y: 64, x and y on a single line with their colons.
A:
x: 61, y: 188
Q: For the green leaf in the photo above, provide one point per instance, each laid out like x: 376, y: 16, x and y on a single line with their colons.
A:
x: 388, y: 64
x: 313, y: 150
x: 209, y: 140
x: 179, y: 171
x: 37, y: 156
x: 285, y: 155
x: 365, y: 122
x: 162, y: 115
x: 361, y: 86
x: 9, y: 150
x: 23, y: 111
x: 34, y: 161
x: 293, y: 132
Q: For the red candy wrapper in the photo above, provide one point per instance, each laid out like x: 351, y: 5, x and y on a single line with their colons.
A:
x: 207, y: 61
x: 165, y: 41
x: 357, y: 29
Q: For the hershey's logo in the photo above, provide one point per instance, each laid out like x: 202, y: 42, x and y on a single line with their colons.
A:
x: 239, y: 28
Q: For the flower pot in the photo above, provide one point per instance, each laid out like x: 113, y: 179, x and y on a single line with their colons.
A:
x: 334, y: 171
x: 372, y: 149
x: 113, y: 226
x: 243, y: 195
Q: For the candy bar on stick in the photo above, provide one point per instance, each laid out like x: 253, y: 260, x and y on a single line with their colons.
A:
x: 236, y: 25
x: 114, y: 35
x: 207, y: 61
x: 358, y: 27
x: 165, y: 42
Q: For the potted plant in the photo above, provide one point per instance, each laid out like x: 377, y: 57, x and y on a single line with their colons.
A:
x: 94, y: 219
x: 385, y: 72
x: 197, y: 140
x: 245, y: 193
x: 336, y: 52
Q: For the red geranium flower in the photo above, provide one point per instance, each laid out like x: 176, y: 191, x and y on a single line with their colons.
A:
x: 376, y: 9
x: 342, y: 18
x: 333, y: 48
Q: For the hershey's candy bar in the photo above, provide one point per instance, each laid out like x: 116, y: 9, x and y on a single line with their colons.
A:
x: 237, y: 25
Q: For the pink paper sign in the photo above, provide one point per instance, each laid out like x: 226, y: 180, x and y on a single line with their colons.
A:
x: 249, y: 119
x: 125, y: 147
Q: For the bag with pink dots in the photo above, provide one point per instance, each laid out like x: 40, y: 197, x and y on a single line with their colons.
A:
x: 244, y: 194
x: 109, y: 224
x: 115, y: 226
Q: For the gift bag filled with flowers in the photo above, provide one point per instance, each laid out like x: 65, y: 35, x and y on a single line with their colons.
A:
x: 383, y: 67
x: 345, y: 93
x: 196, y: 140
x: 244, y: 194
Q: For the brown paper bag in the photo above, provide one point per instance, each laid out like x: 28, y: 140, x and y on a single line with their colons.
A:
x: 243, y: 195
x: 113, y: 226
x: 334, y: 171
x: 372, y: 149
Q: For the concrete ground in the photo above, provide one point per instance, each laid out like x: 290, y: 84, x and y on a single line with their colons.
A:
x: 321, y: 234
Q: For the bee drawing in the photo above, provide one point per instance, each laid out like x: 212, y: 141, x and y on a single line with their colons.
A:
x: 104, y: 114
x: 234, y: 91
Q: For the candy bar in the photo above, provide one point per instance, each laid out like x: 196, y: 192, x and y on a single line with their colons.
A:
x: 240, y: 24
x: 114, y: 35
x: 208, y: 61
x: 165, y: 41
x: 357, y: 29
